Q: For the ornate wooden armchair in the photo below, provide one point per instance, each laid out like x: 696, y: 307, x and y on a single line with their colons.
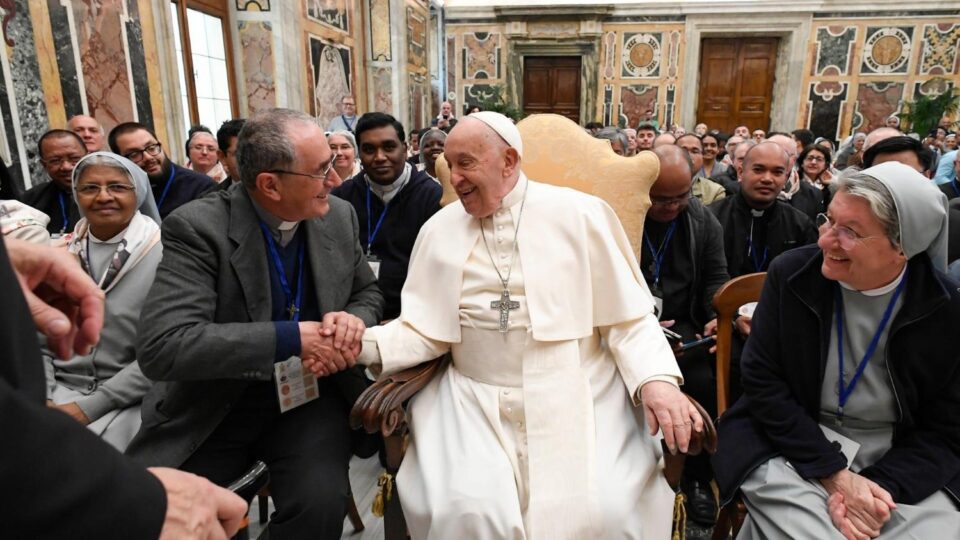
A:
x: 728, y: 299
x: 554, y: 151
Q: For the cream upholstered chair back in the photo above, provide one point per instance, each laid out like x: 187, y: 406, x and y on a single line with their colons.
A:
x: 557, y: 151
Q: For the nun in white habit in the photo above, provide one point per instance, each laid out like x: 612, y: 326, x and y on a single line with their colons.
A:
x: 118, y: 244
x: 865, y: 442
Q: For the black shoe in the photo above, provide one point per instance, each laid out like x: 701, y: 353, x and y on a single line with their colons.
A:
x: 701, y: 505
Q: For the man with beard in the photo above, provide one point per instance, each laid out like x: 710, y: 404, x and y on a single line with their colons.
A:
x: 392, y: 199
x: 59, y: 152
x: 704, y: 189
x: 173, y: 185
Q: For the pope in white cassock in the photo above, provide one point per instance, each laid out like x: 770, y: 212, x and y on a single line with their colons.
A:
x: 533, y: 430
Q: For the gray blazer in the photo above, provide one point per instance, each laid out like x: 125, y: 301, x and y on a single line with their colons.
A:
x: 206, y: 330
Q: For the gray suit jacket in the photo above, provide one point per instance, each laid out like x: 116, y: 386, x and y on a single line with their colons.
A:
x: 206, y: 330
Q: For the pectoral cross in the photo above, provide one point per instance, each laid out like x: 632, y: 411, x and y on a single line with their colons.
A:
x: 505, y: 305
x: 292, y: 311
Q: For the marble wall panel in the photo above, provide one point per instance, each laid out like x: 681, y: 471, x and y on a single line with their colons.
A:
x: 416, y: 39
x: 330, y: 70
x: 103, y: 60
x: 940, y: 45
x: 481, y: 55
x: 382, y: 89
x: 451, y: 67
x: 331, y: 13
x: 380, y: 48
x: 256, y: 51
x: 607, y: 105
x: 825, y: 104
x: 27, y: 90
x: 253, y: 5
x: 70, y: 83
x: 475, y: 94
x: 670, y: 105
x: 641, y: 55
x: 886, y: 50
x: 875, y: 102
x: 673, y: 40
x: 419, y: 90
x: 138, y: 65
x: 834, y: 48
x: 10, y: 142
x: 609, y: 55
x: 635, y: 100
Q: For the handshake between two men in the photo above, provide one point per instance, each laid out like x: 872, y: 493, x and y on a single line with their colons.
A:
x: 331, y: 345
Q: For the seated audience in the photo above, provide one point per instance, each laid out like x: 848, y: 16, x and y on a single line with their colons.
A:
x: 227, y: 153
x: 728, y: 148
x: 618, y: 141
x: 172, y: 185
x: 798, y: 194
x: 431, y: 147
x: 413, y: 146
x: 851, y: 153
x: 700, y: 129
x: 847, y: 425
x: 344, y: 146
x: 202, y: 154
x: 759, y: 135
x: 951, y: 188
x: 631, y: 135
x: 813, y: 167
x: 741, y: 131
x: 59, y: 152
x: 392, y: 201
x: 902, y: 149
x: 704, y: 189
x: 646, y: 133
x: 946, y: 169
x: 663, y: 139
x: 118, y: 244
x: 711, y: 165
x: 730, y: 177
x: 802, y: 138
x: 90, y: 131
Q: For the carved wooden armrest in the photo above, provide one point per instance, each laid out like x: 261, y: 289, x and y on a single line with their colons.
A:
x: 705, y: 440
x: 380, y: 406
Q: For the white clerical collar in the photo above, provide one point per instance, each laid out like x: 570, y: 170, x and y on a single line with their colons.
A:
x: 879, y: 291
x: 282, y: 231
x: 516, y: 194
x: 389, y: 191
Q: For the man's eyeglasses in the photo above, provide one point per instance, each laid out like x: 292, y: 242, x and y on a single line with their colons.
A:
x: 324, y: 174
x: 93, y: 190
x: 847, y: 237
x: 57, y: 162
x: 137, y: 155
x: 670, y: 201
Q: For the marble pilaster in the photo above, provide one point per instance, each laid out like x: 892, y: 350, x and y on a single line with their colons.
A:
x: 31, y: 105
x: 71, y: 83
x: 138, y: 64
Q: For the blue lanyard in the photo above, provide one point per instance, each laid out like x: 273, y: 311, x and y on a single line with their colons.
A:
x: 372, y: 234
x: 660, y: 253
x: 63, y: 212
x: 758, y: 266
x: 953, y: 184
x: 166, y: 188
x: 846, y: 390
x: 293, y: 304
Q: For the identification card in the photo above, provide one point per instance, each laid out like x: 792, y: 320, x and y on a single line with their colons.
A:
x: 374, y: 263
x: 295, y: 385
x: 848, y: 446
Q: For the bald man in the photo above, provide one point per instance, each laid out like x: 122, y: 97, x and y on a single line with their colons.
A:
x: 90, y: 131
x: 802, y: 195
x: 530, y: 431
x: 683, y: 262
x: 880, y: 134
x: 664, y: 139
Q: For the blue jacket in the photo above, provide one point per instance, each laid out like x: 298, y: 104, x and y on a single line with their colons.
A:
x: 777, y: 415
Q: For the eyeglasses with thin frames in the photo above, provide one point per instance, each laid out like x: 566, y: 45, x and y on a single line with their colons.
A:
x: 671, y: 201
x: 324, y: 174
x: 847, y: 237
x: 137, y: 155
x: 93, y: 190
x: 57, y: 162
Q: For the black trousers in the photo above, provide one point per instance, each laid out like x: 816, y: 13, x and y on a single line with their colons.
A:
x: 307, y: 451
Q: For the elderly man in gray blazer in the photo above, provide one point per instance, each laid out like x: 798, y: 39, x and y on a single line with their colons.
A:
x: 254, y: 279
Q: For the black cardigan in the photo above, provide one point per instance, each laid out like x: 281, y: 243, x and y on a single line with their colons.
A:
x: 779, y: 410
x: 406, y: 213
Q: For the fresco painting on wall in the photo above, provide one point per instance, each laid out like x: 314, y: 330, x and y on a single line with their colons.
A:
x: 104, y: 61
x: 481, y: 55
x: 875, y: 102
x: 383, y: 89
x: 256, y: 41
x: 640, y: 55
x: 330, y: 70
x: 416, y: 39
x: 332, y: 13
x: 940, y: 45
x: 635, y: 101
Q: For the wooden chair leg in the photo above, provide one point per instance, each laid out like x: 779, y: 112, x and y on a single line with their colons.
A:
x: 354, y: 515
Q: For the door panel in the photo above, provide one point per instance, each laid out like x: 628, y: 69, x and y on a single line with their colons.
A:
x: 551, y: 84
x: 736, y: 82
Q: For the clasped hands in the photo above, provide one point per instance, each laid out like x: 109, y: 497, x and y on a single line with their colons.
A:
x: 331, y: 345
x: 858, y: 506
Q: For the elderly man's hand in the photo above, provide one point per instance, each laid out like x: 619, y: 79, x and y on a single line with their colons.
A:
x: 838, y: 515
x: 196, y: 508
x: 66, y: 305
x: 346, y: 330
x: 319, y: 353
x: 865, y: 505
x: 667, y: 409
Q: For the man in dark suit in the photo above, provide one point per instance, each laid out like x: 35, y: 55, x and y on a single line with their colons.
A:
x: 252, y: 278
x: 227, y: 141
x: 172, y: 185
x: 59, y: 151
x: 60, y: 480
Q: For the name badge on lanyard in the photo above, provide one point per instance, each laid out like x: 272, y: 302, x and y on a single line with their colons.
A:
x: 374, y: 263
x: 295, y: 385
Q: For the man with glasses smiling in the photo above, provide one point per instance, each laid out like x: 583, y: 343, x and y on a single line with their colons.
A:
x: 172, y: 185
x: 59, y: 152
x: 259, y: 283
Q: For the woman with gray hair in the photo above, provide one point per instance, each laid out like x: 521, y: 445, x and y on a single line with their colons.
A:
x: 848, y: 426
x: 618, y: 141
x: 117, y: 243
x: 344, y: 145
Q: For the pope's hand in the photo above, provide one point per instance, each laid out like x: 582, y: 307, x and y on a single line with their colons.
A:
x: 196, y: 508
x: 319, y: 353
x: 667, y: 409
x: 345, y: 329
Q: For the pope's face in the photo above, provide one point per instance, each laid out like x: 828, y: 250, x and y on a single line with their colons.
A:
x: 482, y: 169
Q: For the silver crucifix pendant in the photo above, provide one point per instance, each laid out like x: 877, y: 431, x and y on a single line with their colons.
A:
x: 505, y: 305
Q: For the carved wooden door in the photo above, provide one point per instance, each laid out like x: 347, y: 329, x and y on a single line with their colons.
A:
x: 551, y: 84
x: 736, y: 82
